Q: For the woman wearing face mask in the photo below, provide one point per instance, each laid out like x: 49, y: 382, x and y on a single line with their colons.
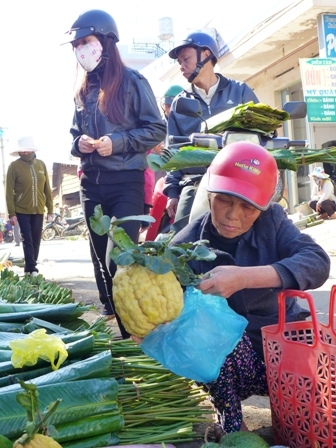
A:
x: 116, y: 122
x: 28, y: 193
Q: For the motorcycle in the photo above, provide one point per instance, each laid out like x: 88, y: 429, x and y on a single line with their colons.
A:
x: 203, y: 146
x: 59, y: 228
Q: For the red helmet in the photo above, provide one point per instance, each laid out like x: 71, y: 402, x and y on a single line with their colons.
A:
x: 245, y: 170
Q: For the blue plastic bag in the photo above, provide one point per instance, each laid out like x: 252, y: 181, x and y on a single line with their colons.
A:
x: 196, y: 343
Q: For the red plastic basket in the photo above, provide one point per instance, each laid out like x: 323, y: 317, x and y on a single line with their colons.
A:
x: 301, y: 373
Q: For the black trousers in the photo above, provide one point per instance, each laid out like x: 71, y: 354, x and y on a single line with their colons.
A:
x: 117, y: 200
x: 31, y: 230
x: 327, y: 206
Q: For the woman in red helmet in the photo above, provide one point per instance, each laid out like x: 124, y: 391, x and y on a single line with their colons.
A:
x: 259, y: 252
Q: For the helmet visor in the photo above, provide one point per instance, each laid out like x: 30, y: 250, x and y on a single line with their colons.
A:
x: 239, y: 188
x: 79, y: 33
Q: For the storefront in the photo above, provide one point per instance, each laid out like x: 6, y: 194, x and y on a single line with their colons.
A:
x: 268, y: 60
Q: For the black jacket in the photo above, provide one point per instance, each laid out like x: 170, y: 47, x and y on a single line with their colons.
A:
x: 142, y: 128
x: 229, y: 93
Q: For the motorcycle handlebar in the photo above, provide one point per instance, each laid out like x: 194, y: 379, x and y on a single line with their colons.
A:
x: 178, y: 139
x: 297, y: 143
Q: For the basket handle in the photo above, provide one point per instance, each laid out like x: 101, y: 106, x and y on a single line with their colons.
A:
x: 302, y: 295
x: 332, y: 303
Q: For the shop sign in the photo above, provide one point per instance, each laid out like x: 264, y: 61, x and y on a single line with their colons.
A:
x: 318, y: 77
x: 327, y: 35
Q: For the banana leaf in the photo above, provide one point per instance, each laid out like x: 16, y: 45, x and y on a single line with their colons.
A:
x: 76, y: 350
x: 11, y: 327
x: 26, y: 375
x: 288, y: 159
x: 7, y: 337
x: 5, y: 355
x: 94, y: 425
x: 258, y: 117
x: 97, y: 366
x: 94, y: 442
x: 54, y: 313
x: 186, y: 157
x: 80, y: 400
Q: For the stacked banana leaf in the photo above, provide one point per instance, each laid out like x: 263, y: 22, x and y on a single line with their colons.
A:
x: 258, y: 118
x: 111, y: 393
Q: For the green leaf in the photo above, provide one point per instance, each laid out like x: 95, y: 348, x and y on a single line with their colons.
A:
x: 123, y: 258
x: 189, y: 157
x: 146, y: 218
x: 203, y: 253
x: 5, y: 442
x: 121, y: 239
x: 285, y: 159
x: 91, y: 426
x: 93, y: 442
x: 157, y: 265
x: 99, y: 222
x: 80, y: 399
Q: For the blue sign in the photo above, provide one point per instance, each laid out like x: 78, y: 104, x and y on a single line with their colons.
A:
x: 329, y: 34
x: 1, y: 132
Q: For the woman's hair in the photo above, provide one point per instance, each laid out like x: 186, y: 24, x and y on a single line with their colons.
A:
x: 111, y: 98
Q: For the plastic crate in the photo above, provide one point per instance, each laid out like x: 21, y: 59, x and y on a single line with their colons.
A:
x: 301, y: 373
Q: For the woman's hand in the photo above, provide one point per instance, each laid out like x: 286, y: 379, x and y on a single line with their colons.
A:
x: 223, y: 281
x: 226, y: 280
x: 103, y: 145
x: 136, y: 339
x: 172, y: 207
x: 85, y: 144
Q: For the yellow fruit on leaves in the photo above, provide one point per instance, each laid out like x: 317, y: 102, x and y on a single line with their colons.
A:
x: 38, y: 441
x: 144, y: 299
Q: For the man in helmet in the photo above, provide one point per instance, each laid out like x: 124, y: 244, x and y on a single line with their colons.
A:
x: 168, y: 97
x: 197, y: 56
x: 259, y: 253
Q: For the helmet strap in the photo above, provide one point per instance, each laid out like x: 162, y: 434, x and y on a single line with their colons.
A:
x: 107, y: 48
x: 200, y: 64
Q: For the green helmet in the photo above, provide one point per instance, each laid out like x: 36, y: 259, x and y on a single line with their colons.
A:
x: 171, y: 93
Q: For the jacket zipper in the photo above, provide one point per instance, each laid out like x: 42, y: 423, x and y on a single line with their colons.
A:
x: 95, y: 121
x: 34, y: 186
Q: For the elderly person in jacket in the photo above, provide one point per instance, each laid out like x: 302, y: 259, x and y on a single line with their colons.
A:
x: 197, y: 56
x: 28, y: 195
x: 323, y: 199
x: 259, y: 253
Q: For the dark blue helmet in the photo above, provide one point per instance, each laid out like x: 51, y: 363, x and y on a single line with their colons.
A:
x: 96, y: 22
x: 196, y: 40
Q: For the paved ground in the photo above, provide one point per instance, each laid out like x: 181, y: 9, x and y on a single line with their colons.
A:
x: 68, y: 263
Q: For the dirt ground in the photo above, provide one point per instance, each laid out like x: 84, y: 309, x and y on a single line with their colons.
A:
x: 256, y: 410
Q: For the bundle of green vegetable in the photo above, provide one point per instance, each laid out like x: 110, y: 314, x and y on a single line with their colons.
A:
x: 105, y: 401
x: 158, y: 406
x: 30, y: 289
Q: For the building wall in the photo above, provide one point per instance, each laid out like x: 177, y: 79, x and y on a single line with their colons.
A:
x: 285, y: 73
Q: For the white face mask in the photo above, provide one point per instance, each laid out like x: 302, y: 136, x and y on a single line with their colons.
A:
x: 89, y: 55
